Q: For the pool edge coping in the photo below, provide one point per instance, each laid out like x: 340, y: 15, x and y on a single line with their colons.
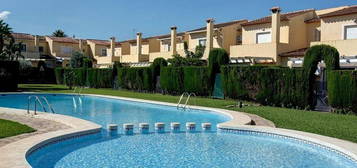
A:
x: 17, y: 157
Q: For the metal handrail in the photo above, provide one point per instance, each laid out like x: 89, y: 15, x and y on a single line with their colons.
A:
x: 36, y: 100
x: 179, y: 102
x: 188, y: 98
x: 48, y: 104
x: 80, y: 89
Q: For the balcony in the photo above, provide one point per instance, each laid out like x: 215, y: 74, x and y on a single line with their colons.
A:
x: 164, y: 54
x: 344, y: 47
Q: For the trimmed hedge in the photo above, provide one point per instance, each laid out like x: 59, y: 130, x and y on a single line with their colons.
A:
x: 267, y: 85
x: 139, y: 79
x: 342, y: 90
x: 171, y: 80
x: 197, y: 80
x: 100, y: 78
x: 75, y: 76
x: 9, y: 75
x: 59, y: 72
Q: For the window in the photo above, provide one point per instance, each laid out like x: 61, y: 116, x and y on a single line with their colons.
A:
x: 66, y: 50
x: 40, y: 49
x: 264, y: 37
x: 167, y: 47
x: 104, y: 52
x: 317, y: 35
x: 202, y: 42
x: 23, y: 48
x: 239, y: 39
x: 350, y: 32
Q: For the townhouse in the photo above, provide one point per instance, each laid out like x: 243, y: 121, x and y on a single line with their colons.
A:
x: 277, y: 39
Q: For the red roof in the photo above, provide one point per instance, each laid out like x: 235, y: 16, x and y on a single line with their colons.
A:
x: 99, y: 42
x: 283, y: 17
x: 345, y: 11
x: 64, y: 39
x: 219, y: 25
x: 313, y: 20
x: 23, y: 36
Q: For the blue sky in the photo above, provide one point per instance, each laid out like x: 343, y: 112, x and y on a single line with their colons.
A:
x: 102, y: 19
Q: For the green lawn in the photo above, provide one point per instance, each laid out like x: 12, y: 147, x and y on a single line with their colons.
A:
x: 329, y: 124
x: 11, y: 128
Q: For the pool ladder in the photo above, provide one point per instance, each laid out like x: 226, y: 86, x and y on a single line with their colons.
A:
x: 78, y: 90
x: 40, y: 101
x: 185, y: 106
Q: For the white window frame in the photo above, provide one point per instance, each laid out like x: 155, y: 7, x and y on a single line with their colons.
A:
x: 260, y: 33
x: 344, y: 31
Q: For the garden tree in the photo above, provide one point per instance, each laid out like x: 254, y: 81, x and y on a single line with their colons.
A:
x: 5, y: 36
x: 200, y: 49
x: 78, y: 60
x: 188, y: 53
x: 59, y: 33
x: 216, y: 58
x: 157, y: 64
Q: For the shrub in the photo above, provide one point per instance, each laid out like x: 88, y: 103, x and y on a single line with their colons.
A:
x: 139, y: 79
x: 267, y: 85
x: 9, y: 73
x: 59, y: 73
x: 179, y: 61
x: 171, y: 80
x: 342, y: 90
x: 100, y: 78
x: 197, y: 80
x: 216, y: 58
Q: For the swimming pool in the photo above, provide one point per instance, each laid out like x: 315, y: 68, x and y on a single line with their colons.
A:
x: 184, y: 149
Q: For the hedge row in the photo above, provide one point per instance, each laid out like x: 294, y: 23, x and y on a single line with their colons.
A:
x: 9, y: 75
x: 175, y: 80
x: 267, y: 85
x: 342, y: 90
x: 91, y: 77
x: 139, y: 79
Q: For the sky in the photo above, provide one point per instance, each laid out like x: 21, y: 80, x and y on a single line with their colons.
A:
x: 102, y: 19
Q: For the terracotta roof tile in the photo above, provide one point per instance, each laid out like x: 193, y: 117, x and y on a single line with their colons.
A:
x: 219, y: 25
x: 99, y: 42
x: 341, y: 12
x: 313, y: 20
x: 23, y: 36
x: 283, y: 17
x: 64, y: 39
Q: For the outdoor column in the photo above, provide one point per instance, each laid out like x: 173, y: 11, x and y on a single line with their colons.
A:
x: 80, y: 45
x: 209, y: 38
x: 138, y: 45
x: 112, y: 49
x: 173, y: 49
x: 275, y: 31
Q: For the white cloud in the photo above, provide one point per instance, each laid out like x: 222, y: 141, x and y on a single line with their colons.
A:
x: 4, y: 14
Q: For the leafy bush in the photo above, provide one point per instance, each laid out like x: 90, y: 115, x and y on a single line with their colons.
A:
x: 179, y: 61
x: 139, y: 79
x: 197, y: 80
x: 171, y: 80
x: 100, y: 78
x: 342, y: 90
x: 267, y: 85
x: 59, y: 73
x: 9, y: 73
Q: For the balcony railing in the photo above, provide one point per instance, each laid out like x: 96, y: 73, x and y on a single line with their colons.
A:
x: 344, y: 47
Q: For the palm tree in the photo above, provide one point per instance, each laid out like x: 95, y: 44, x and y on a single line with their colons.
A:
x: 59, y: 33
x: 5, y: 34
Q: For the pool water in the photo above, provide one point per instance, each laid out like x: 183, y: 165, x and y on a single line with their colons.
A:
x: 106, y: 111
x: 214, y: 149
x: 184, y: 149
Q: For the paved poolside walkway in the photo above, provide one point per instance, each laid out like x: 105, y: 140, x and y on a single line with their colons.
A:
x: 41, y: 125
x: 260, y: 121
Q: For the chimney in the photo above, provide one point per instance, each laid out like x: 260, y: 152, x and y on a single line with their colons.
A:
x: 209, y: 38
x: 138, y: 45
x: 275, y: 25
x: 112, y: 46
x: 37, y: 43
x: 80, y: 45
x: 173, y: 40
